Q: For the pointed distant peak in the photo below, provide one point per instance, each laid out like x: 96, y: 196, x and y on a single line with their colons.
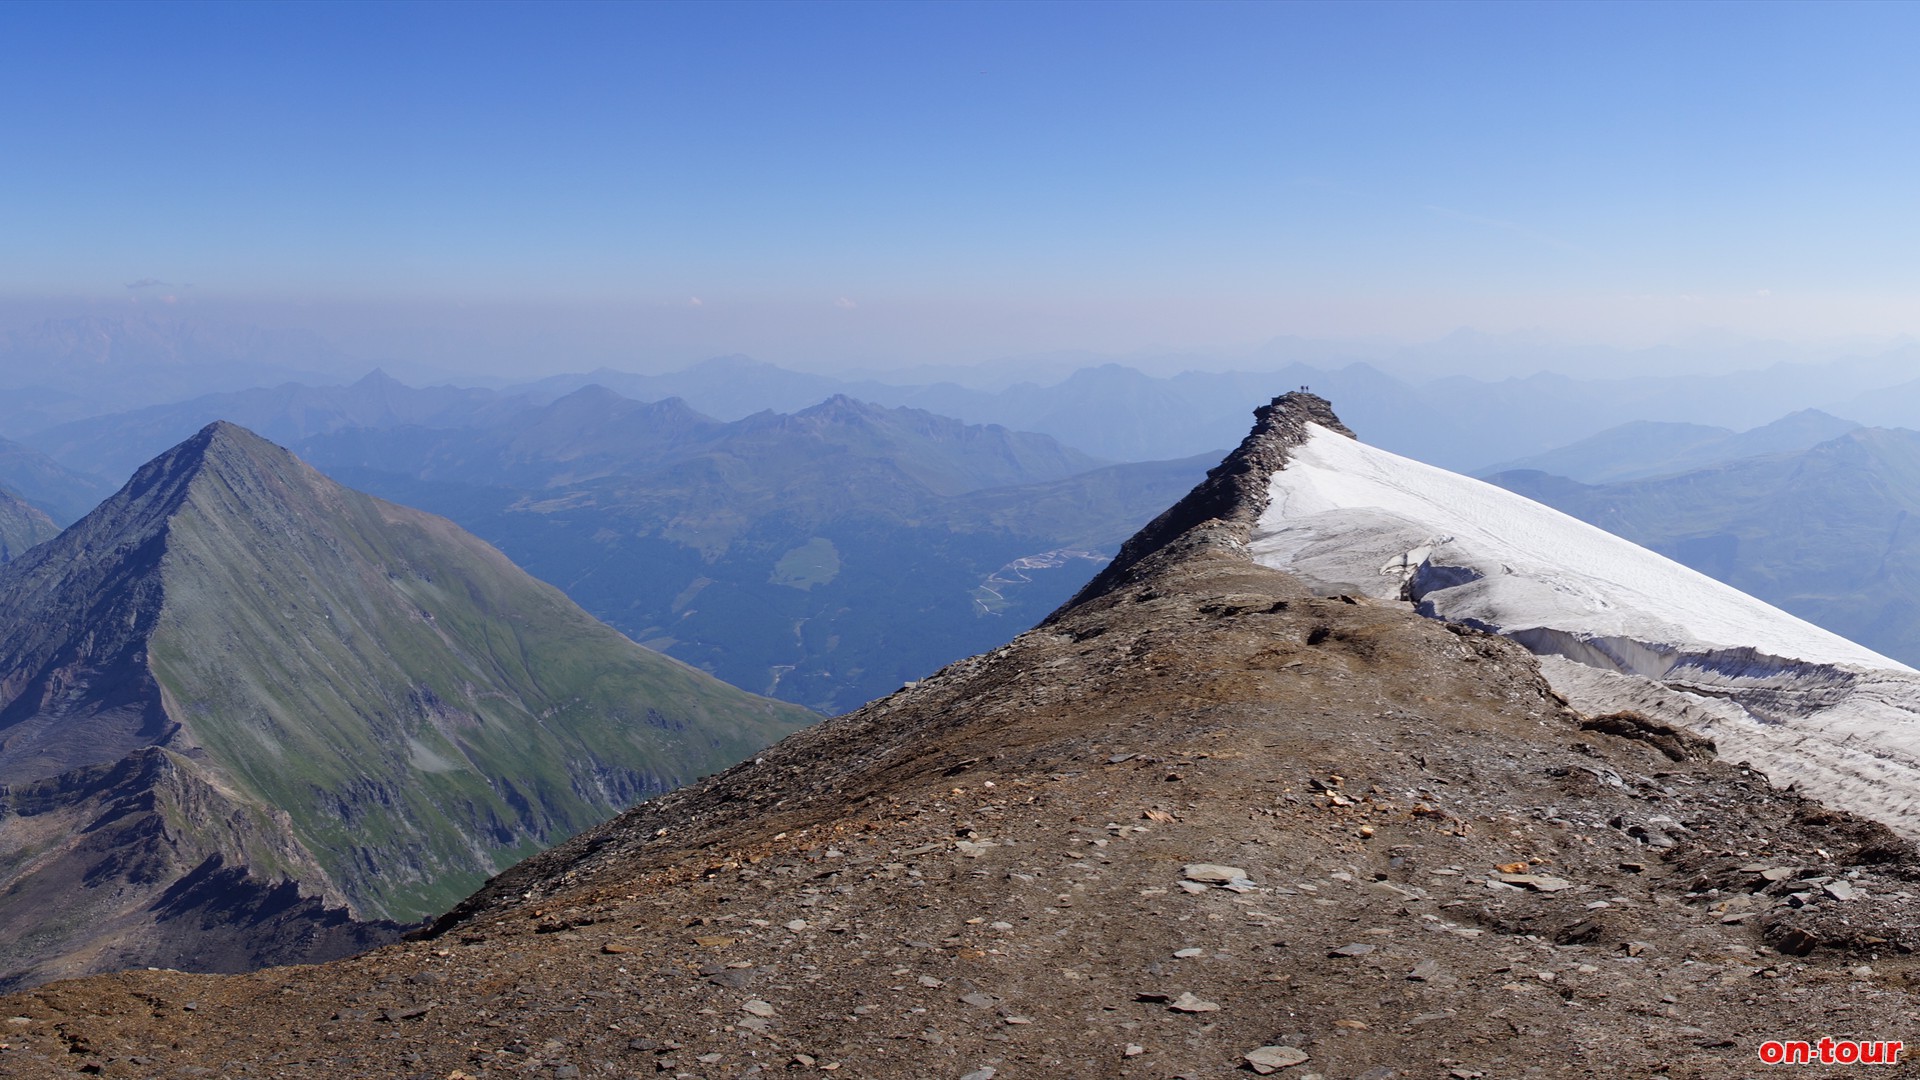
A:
x: 1809, y: 417
x: 842, y: 409
x: 378, y: 379
x: 676, y: 408
x: 590, y: 393
x: 1235, y: 493
x: 222, y: 451
x: 226, y: 431
x: 593, y: 405
x: 220, y: 445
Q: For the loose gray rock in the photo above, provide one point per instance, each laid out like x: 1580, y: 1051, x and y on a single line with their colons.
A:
x: 1270, y: 1059
x: 1536, y: 882
x: 1213, y: 873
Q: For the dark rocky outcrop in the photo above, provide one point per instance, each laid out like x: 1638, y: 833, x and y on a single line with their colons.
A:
x: 1234, y: 492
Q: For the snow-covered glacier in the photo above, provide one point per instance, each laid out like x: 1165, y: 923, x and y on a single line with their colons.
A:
x: 1615, y: 625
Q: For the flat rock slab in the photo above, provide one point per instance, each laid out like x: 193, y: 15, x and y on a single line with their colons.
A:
x: 1536, y: 882
x: 1213, y: 873
x: 1270, y: 1059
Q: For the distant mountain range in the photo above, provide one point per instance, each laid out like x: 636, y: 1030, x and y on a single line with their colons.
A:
x: 834, y: 552
x: 1459, y: 422
x: 240, y: 698
x: 824, y: 557
x: 1653, y: 448
x: 64, y: 369
x: 61, y: 373
x: 114, y: 444
x: 61, y: 493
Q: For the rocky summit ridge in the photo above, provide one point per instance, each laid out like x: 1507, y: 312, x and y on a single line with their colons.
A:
x: 1202, y: 822
x: 250, y: 716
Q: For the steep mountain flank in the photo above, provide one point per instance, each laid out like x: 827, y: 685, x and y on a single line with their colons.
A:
x: 368, y: 702
x: 22, y: 525
x: 1203, y: 820
x: 147, y: 862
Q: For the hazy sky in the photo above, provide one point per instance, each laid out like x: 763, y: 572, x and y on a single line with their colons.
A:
x: 909, y: 182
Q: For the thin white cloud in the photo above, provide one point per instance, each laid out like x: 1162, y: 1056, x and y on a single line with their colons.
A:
x: 845, y: 304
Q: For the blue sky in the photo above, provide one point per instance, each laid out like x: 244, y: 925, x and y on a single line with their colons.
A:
x: 929, y: 181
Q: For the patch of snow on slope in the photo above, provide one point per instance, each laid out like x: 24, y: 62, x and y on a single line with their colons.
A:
x: 1538, y: 567
x: 1627, y: 628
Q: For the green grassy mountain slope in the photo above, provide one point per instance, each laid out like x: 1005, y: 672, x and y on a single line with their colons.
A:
x: 419, y: 710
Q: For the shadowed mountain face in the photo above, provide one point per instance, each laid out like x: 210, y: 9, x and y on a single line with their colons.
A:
x: 22, y: 525
x: 382, y: 708
x: 1827, y: 534
x: 1202, y: 821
